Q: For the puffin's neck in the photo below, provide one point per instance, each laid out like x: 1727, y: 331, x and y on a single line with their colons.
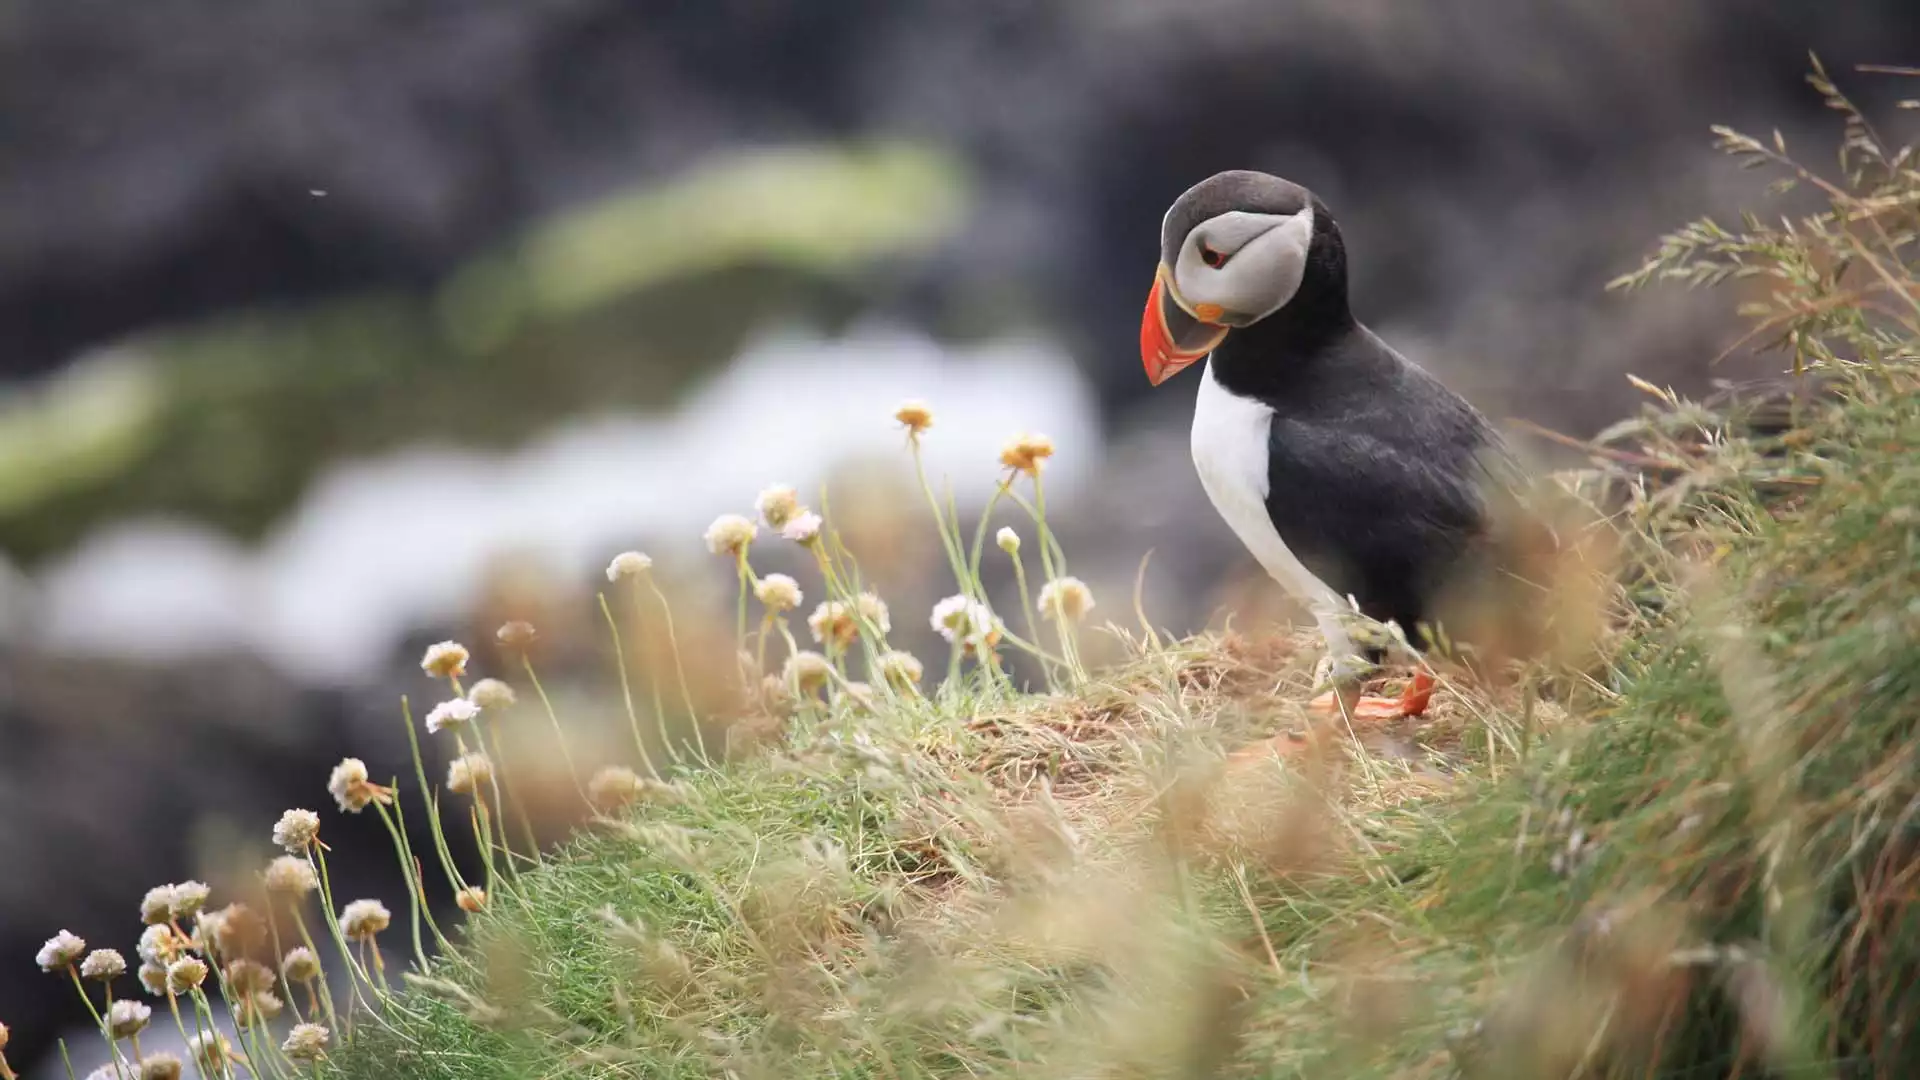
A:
x: 1291, y: 345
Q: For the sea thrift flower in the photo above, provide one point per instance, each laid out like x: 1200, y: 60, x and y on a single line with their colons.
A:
x: 126, y: 1019
x: 62, y: 950
x: 451, y: 715
x: 363, y: 919
x: 517, y: 634
x: 901, y: 669
x: 491, y: 694
x: 833, y: 625
x: 613, y: 787
x: 966, y: 622
x: 160, y: 1067
x: 185, y: 973
x: 807, y: 672
x: 103, y: 964
x: 446, y: 660
x: 260, y: 1008
x: 1008, y: 540
x: 189, y: 897
x: 1066, y: 598
x: 778, y: 593
x: 777, y: 505
x: 160, y: 943
x: 157, y: 906
x: 300, y: 965
x: 235, y: 929
x: 306, y: 1042
x: 804, y: 529
x: 874, y: 610
x: 296, y: 831
x: 628, y: 564
x: 211, y: 1050
x: 730, y: 534
x: 471, y: 899
x: 291, y: 874
x: 466, y: 773
x: 916, y: 416
x: 860, y: 694
x: 248, y: 977
x: 350, y: 787
x: 154, y: 978
x: 1025, y: 453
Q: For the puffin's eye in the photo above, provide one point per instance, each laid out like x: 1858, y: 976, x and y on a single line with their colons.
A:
x: 1211, y: 257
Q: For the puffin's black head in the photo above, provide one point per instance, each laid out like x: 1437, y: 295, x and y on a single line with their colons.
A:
x: 1236, y: 248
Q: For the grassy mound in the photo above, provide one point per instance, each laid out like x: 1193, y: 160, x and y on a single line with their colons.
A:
x: 1708, y: 869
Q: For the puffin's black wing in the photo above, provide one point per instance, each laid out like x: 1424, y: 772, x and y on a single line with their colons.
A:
x: 1382, y: 500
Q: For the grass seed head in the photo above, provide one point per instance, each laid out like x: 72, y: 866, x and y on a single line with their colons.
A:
x: 491, y: 694
x: 160, y: 1067
x: 807, y: 672
x: 300, y: 965
x: 296, y: 831
x: 1008, y: 540
x: 804, y: 529
x: 126, y: 1018
x: 628, y: 564
x: 468, y: 773
x: 1024, y: 454
x: 363, y: 919
x: 833, y: 625
x: 902, y: 670
x: 445, y: 660
x: 306, y: 1042
x: 1065, y: 599
x: 472, y: 899
x: 185, y: 974
x: 778, y: 592
x: 292, y: 875
x: 62, y: 951
x: 730, y: 534
x: 452, y: 715
x: 105, y: 965
x: 916, y: 416
x: 777, y: 505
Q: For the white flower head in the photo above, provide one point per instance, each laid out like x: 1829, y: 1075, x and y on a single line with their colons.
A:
x: 185, y: 973
x: 445, y: 660
x: 454, y: 714
x: 104, y: 964
x: 491, y: 694
x: 291, y: 874
x: 362, y: 919
x: 350, y: 787
x: 306, y: 1042
x: 126, y: 1018
x: 804, y: 529
x: 874, y: 610
x: 160, y: 1067
x: 628, y: 564
x: 777, y: 505
x: 300, y: 965
x: 915, y: 415
x: 778, y: 593
x: 62, y: 950
x: 1008, y: 540
x: 296, y: 831
x: 730, y: 534
x: 806, y: 672
x: 834, y: 625
x: 1065, y: 599
x: 613, y: 787
x: 902, y: 670
x: 469, y: 772
x: 967, y: 622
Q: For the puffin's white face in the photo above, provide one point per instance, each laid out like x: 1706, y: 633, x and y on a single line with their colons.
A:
x: 1240, y: 267
x: 1234, y: 250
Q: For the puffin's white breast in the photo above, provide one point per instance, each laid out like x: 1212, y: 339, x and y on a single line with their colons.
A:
x: 1231, y: 452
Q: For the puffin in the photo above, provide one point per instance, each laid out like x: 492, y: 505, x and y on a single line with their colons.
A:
x: 1356, y: 479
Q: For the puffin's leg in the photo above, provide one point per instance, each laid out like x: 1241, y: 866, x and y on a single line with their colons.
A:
x: 1345, y: 698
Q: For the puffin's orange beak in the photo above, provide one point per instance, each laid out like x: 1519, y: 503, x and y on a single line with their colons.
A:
x: 1170, y: 337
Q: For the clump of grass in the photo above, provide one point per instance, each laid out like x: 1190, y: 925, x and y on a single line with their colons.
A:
x: 1698, y: 862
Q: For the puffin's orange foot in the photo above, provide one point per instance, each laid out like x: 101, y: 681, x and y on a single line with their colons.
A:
x: 1413, y: 701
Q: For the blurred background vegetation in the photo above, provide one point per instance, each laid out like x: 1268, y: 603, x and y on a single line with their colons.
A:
x: 327, y: 330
